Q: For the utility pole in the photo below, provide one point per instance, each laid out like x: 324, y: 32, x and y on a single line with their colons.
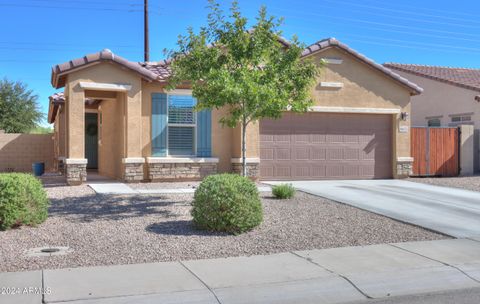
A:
x: 145, y: 32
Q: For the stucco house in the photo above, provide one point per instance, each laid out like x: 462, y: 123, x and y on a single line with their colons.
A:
x: 116, y: 117
x: 451, y: 97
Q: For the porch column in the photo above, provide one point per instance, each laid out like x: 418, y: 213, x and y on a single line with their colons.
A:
x: 75, y: 164
x: 133, y: 162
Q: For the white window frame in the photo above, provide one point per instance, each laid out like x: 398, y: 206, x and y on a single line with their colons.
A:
x: 181, y: 93
x: 464, y: 119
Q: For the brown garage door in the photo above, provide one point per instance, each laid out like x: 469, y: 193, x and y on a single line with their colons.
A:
x: 326, y: 146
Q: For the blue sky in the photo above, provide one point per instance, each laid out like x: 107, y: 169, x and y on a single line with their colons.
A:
x: 37, y: 34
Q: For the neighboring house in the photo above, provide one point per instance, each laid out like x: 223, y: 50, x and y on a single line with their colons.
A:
x: 451, y: 96
x: 115, y: 116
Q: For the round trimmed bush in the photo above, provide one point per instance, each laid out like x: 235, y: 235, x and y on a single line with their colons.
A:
x: 227, y: 202
x: 23, y: 200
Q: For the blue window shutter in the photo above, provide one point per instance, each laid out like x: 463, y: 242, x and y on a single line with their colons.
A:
x: 159, y: 124
x: 204, y: 133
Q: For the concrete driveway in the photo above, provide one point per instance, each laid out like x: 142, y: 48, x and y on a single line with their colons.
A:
x: 451, y: 211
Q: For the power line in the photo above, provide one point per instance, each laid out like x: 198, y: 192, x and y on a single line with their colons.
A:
x: 395, y: 31
x: 429, y: 9
x: 375, y: 23
x: 64, y: 44
x: 128, y: 10
x: 411, y: 47
x: 45, y: 49
x: 401, y: 18
x: 401, y: 11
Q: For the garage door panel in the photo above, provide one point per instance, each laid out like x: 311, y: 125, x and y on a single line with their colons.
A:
x: 267, y: 171
x: 318, y: 153
x: 283, y: 153
x: 351, y: 154
x: 318, y: 138
x: 302, y: 153
x: 302, y: 172
x: 318, y: 171
x: 335, y: 153
x: 267, y: 153
x: 282, y: 172
x: 326, y: 146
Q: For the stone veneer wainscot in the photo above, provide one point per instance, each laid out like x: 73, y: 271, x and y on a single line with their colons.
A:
x: 253, y: 167
x: 178, y: 169
x: 75, y: 171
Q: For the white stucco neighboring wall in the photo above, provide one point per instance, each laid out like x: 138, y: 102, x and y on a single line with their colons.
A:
x: 441, y: 100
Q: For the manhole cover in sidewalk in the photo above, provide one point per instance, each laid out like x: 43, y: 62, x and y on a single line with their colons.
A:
x: 48, y: 251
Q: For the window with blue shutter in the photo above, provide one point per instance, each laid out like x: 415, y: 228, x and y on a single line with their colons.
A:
x: 159, y: 124
x: 177, y: 130
x: 204, y: 133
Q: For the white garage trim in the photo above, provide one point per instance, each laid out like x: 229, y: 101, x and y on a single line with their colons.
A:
x: 354, y: 110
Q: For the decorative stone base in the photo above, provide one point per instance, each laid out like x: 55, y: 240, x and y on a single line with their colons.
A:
x: 168, y: 170
x: 60, y: 165
x: 75, y: 171
x: 404, y: 167
x: 253, y: 167
x: 133, y: 169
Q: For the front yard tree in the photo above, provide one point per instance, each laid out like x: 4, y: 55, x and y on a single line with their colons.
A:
x: 19, y: 110
x: 250, y: 71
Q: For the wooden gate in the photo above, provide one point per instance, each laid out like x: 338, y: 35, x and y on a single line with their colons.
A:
x: 435, y: 151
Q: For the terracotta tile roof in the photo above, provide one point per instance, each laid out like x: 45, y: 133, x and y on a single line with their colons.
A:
x: 332, y: 42
x: 60, y: 70
x: 57, y: 98
x: 161, y: 69
x: 462, y: 77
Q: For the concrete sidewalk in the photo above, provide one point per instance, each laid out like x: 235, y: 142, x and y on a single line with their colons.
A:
x: 337, y: 275
x: 121, y: 188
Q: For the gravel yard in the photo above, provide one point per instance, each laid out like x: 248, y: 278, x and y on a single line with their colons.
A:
x: 463, y: 182
x: 106, y: 230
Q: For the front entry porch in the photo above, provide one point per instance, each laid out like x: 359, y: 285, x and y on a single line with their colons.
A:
x: 103, y: 134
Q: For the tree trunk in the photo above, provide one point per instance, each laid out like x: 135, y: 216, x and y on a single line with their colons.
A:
x: 244, y: 148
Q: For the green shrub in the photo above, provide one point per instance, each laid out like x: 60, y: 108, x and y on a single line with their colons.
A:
x: 227, y: 202
x: 283, y: 191
x: 22, y: 200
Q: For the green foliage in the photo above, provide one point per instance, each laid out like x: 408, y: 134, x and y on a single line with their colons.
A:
x: 252, y: 72
x: 283, y: 191
x: 23, y: 200
x: 227, y: 202
x: 19, y: 109
x: 41, y: 130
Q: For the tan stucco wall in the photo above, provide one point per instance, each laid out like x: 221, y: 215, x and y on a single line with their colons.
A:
x: 105, y: 73
x: 222, y: 141
x: 111, y: 137
x: 19, y: 151
x: 61, y: 122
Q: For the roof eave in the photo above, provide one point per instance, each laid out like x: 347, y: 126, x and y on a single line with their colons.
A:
x: 391, y: 66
